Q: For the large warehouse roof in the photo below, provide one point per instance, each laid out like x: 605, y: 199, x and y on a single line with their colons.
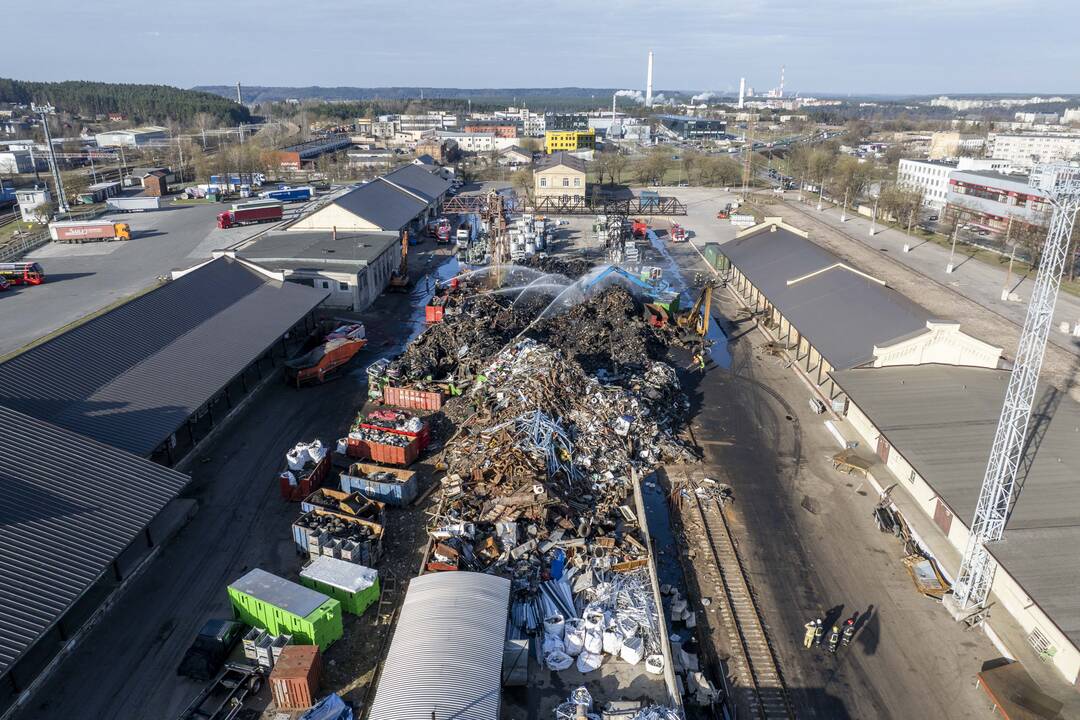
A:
x: 445, y: 660
x: 131, y: 377
x: 942, y: 420
x: 381, y: 204
x: 419, y: 181
x: 68, y: 507
x: 296, y: 249
x: 842, y: 312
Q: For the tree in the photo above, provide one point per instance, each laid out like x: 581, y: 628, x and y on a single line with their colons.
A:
x: 618, y: 164
x: 850, y: 178
x: 522, y: 179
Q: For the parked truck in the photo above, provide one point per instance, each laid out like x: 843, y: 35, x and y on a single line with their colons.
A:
x: 203, y: 660
x: 297, y: 194
x: 133, y: 204
x: 678, y: 233
x: 80, y: 231
x: 248, y: 213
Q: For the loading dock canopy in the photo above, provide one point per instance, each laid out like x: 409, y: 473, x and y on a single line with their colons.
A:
x: 942, y: 420
x: 68, y: 507
x: 445, y: 661
x: 132, y: 376
x: 841, y: 311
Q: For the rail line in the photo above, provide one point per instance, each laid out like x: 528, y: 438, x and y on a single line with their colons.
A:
x: 753, y: 658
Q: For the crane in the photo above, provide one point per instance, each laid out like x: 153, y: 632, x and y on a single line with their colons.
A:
x: 1062, y: 183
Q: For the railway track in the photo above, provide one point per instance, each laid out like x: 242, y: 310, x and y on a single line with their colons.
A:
x: 753, y: 660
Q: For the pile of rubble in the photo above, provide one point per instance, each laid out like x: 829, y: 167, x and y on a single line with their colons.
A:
x: 572, y: 268
x: 607, y: 331
x: 580, y: 705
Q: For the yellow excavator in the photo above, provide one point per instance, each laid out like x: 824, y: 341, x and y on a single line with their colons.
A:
x: 399, y: 279
x: 696, y: 319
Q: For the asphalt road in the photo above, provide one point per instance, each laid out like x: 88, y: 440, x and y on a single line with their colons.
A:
x: 82, y: 279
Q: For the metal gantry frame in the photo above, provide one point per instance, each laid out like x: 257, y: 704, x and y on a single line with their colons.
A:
x: 977, y: 569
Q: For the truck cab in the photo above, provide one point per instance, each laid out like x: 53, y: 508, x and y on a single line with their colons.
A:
x: 211, y: 649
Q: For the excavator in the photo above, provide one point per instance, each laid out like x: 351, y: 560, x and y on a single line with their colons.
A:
x: 696, y: 319
x: 399, y: 279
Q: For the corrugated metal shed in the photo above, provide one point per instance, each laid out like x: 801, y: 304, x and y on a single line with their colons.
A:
x: 842, y: 313
x: 68, y: 507
x: 942, y: 420
x: 131, y: 377
x: 381, y: 204
x: 419, y: 181
x: 445, y: 661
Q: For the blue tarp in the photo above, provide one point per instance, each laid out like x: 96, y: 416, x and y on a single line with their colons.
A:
x: 330, y: 707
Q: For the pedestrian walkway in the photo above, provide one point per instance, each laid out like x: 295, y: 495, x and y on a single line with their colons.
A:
x: 972, y: 278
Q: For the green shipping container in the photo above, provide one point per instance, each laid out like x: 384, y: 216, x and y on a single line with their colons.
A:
x: 282, y: 607
x: 714, y: 257
x: 356, y: 587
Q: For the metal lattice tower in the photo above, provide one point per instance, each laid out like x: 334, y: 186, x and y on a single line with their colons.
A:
x: 976, y: 576
x: 44, y: 111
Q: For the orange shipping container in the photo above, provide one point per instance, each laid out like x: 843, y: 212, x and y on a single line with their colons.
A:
x: 294, y: 681
x: 412, y: 398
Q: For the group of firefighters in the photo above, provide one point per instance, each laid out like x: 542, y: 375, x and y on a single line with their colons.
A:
x: 815, y: 634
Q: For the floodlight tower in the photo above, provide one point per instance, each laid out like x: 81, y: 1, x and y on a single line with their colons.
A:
x: 1062, y: 184
x: 44, y: 111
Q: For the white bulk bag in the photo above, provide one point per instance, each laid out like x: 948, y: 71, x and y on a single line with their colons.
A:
x: 612, y: 642
x: 554, y: 625
x: 587, y: 662
x: 632, y: 650
x: 594, y: 641
x: 558, y: 661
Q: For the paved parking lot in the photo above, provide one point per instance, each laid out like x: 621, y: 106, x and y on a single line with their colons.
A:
x: 82, y: 279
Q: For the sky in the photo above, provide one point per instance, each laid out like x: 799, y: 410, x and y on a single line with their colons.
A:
x: 827, y: 46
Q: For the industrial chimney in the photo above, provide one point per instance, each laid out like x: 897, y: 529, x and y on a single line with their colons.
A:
x: 742, y: 91
x: 648, y: 83
x: 239, y: 97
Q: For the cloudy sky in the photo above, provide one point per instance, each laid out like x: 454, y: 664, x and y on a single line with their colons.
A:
x: 839, y: 46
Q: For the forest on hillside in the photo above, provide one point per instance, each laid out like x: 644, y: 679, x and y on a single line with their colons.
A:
x: 139, y: 103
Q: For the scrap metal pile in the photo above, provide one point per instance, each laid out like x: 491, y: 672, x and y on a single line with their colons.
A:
x: 538, y: 489
x: 572, y: 268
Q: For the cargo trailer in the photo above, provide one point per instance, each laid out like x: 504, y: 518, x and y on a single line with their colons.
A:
x: 250, y: 213
x: 282, y: 607
x: 134, y: 204
x: 356, y: 587
x: 22, y: 273
x: 80, y: 231
x: 298, y: 194
x: 392, y: 486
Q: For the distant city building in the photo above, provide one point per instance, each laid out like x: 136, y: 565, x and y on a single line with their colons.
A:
x: 929, y: 176
x: 135, y: 137
x: 946, y: 145
x: 371, y: 158
x: 1072, y: 115
x: 1037, y: 118
x: 498, y: 128
x: 293, y: 157
x: 514, y: 156
x: 1030, y: 149
x: 571, y: 140
x: 688, y: 127
x: 566, y: 121
x: 989, y: 200
x: 13, y: 162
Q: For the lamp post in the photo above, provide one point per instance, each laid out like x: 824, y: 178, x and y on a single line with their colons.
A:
x: 956, y: 229
x: 820, y: 192
x: 843, y: 212
x: 873, y: 218
x: 1012, y: 258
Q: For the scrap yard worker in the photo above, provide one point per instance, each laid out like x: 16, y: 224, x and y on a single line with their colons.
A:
x: 812, y: 630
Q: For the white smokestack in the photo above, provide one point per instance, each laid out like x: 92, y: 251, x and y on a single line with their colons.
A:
x: 742, y: 91
x: 648, y: 83
x: 781, y: 82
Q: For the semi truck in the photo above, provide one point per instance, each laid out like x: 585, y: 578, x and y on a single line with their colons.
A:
x: 297, y: 194
x: 80, y: 231
x: 133, y: 204
x: 248, y: 213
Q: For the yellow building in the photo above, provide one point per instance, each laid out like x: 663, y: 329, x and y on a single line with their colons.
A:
x: 569, y: 140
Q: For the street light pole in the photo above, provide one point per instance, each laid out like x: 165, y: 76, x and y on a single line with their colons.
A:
x: 820, y: 191
x: 843, y: 212
x: 956, y: 229
x: 873, y: 218
x: 1012, y: 258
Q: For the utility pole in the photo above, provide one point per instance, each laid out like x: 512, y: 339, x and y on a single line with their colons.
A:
x: 976, y: 576
x: 1012, y: 258
x: 821, y: 185
x: 873, y: 218
x: 952, y: 252
x: 843, y: 213
x: 44, y: 111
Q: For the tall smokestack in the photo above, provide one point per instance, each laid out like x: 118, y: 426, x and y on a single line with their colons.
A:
x: 239, y: 97
x: 742, y: 91
x: 648, y: 83
x: 781, y: 82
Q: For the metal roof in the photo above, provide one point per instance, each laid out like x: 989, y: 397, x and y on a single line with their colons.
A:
x: 279, y: 592
x: 132, y: 376
x: 68, y: 507
x: 445, y: 660
x: 419, y: 181
x: 319, y: 247
x: 560, y: 157
x: 381, y: 204
x: 942, y: 420
x: 843, y: 313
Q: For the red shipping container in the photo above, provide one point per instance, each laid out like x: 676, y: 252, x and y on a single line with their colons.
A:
x: 303, y: 488
x: 382, y: 453
x: 294, y: 681
x: 434, y: 313
x: 412, y: 398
